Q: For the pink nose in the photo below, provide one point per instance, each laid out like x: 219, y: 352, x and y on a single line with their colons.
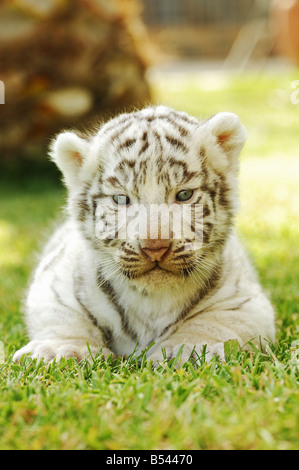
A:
x: 155, y: 249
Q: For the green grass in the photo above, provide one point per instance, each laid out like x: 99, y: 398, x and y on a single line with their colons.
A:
x: 249, y: 401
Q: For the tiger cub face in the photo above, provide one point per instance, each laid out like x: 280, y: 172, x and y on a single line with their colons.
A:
x: 154, y: 192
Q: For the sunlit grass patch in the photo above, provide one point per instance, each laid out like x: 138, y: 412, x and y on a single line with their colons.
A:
x: 269, y: 224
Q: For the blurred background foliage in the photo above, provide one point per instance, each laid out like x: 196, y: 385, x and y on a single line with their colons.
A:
x: 66, y: 63
x: 69, y: 63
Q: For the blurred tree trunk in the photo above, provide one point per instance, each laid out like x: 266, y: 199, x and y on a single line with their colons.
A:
x: 66, y: 63
x: 285, y: 25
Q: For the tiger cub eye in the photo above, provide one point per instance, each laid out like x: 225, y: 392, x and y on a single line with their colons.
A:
x: 184, y: 195
x: 121, y: 199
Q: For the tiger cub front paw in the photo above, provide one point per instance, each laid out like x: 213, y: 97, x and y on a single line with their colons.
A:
x: 48, y: 350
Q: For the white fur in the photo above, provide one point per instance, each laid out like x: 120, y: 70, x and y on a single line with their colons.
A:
x: 65, y: 285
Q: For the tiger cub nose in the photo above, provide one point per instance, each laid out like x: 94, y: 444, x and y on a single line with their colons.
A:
x: 155, y: 249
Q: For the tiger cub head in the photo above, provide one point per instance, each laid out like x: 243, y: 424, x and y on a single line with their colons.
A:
x: 154, y: 193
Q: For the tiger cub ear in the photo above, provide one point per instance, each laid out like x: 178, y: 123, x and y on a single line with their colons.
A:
x: 230, y: 135
x: 69, y: 152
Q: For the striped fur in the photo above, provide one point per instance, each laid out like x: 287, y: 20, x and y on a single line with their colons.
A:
x: 107, y: 290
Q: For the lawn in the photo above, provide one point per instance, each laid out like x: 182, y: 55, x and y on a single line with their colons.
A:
x: 247, y: 402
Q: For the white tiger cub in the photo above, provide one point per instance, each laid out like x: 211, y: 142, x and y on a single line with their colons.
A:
x: 97, y: 287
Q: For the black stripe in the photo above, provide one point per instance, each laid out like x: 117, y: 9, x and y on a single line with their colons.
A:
x: 128, y: 251
x: 212, y: 193
x: 107, y: 288
x: 206, y: 211
x: 181, y: 129
x: 171, y: 119
x: 57, y: 296
x: 212, y: 284
x: 107, y: 332
x: 202, y: 152
x: 240, y: 304
x: 124, y: 163
x: 99, y: 195
x: 223, y: 195
x: 176, y: 143
x: 145, y: 143
x: 142, y: 173
x: 113, y: 181
x: 183, y: 167
x: 82, y: 203
x: 129, y: 260
x: 127, y: 144
x: 186, y: 255
x: 120, y: 131
x: 56, y: 257
x: 178, y: 250
x: 175, y: 115
x: 158, y: 137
